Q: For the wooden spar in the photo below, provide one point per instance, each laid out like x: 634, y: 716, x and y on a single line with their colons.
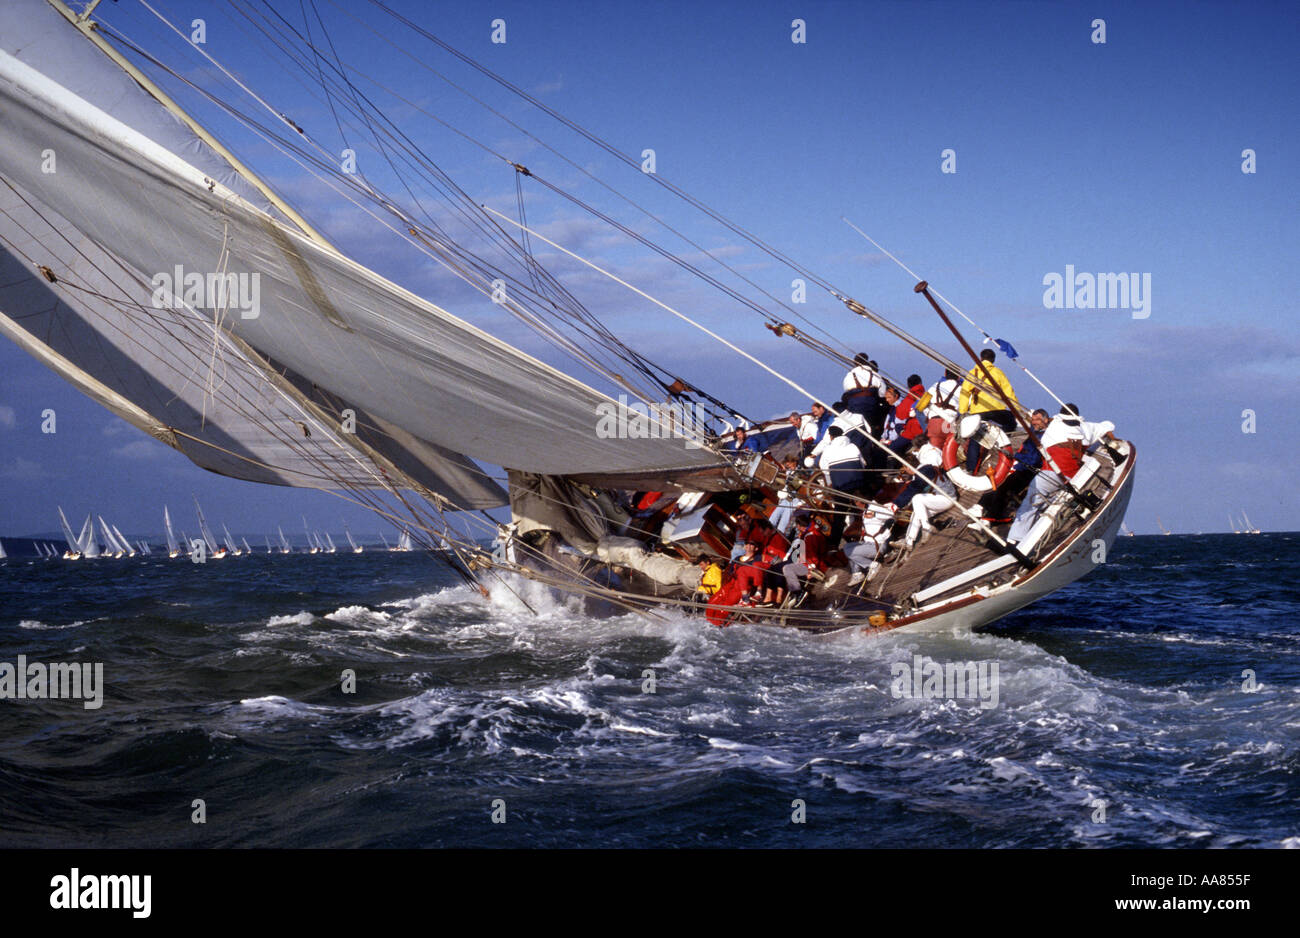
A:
x: 89, y: 28
x: 924, y: 289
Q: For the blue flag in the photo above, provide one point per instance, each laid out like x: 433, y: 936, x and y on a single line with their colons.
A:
x: 1006, y: 347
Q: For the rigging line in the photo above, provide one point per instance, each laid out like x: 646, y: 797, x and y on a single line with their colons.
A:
x: 254, y: 414
x: 974, y: 516
x: 455, y: 196
x: 273, y: 139
x: 987, y: 338
x: 581, y: 169
x: 598, y: 141
x: 248, y: 121
x: 525, y: 256
x: 620, y: 351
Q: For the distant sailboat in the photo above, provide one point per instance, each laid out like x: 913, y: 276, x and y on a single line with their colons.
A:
x: 387, y: 546
x: 1162, y: 527
x: 248, y: 550
x: 284, y: 541
x: 1125, y: 530
x: 3, y: 555
x: 404, y: 542
x: 268, y: 545
x: 230, y: 542
x: 215, y: 551
x: 123, y: 542
x: 1250, y: 528
x: 173, y: 549
x: 311, y: 542
x: 115, y: 548
x: 330, y: 541
x: 89, y: 547
x: 355, y: 548
x: 74, y: 546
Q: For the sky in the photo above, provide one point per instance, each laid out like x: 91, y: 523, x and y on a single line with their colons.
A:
x: 1117, y: 156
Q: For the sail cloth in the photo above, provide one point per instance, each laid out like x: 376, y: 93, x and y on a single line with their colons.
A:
x: 339, y: 325
x: 170, y: 373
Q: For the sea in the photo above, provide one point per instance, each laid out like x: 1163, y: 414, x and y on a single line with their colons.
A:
x: 1155, y: 703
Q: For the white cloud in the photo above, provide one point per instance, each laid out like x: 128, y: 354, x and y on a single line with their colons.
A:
x: 19, y: 469
x: 140, y: 449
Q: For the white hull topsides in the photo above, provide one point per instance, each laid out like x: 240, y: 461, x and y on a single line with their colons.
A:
x: 1069, y: 561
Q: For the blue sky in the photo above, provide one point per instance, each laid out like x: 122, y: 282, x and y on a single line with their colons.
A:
x: 1123, y: 156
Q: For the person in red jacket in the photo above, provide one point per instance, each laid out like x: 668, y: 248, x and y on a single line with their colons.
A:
x: 903, y: 417
x: 815, y: 548
x: 743, y: 578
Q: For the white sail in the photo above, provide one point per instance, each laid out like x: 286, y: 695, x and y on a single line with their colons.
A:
x: 247, y: 549
x: 3, y: 555
x: 404, y: 542
x: 89, y: 546
x: 123, y: 542
x: 110, y: 543
x: 172, y: 547
x: 324, y: 317
x: 204, y: 530
x: 268, y: 543
x: 351, y: 543
x: 284, y: 541
x: 74, y: 544
x: 330, y: 541
x: 230, y: 541
x: 385, y: 540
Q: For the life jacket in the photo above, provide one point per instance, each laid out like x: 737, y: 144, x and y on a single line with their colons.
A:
x: 912, y: 425
x: 647, y: 500
x: 1068, y: 457
x: 776, y: 548
x: 729, y: 595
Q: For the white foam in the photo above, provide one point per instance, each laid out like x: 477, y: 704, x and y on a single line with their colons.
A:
x: 300, y: 618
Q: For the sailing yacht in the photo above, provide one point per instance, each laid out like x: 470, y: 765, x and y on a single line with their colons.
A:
x: 1248, y: 527
x: 284, y: 541
x: 215, y: 550
x: 351, y: 543
x: 331, y: 549
x: 1162, y: 527
x: 144, y: 187
x: 404, y: 542
x: 230, y: 542
x: 173, y: 548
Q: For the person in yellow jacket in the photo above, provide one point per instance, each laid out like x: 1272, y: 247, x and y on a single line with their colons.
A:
x: 989, y: 405
x: 710, y: 579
